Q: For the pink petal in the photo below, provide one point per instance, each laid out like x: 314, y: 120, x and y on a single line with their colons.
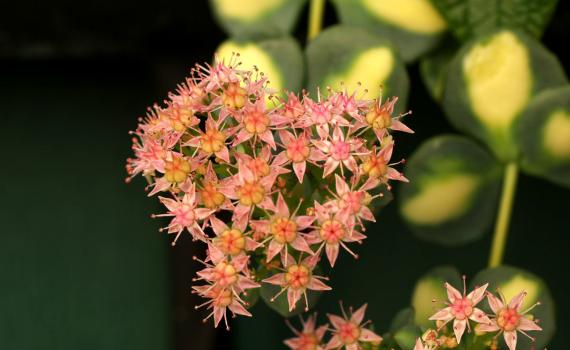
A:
x: 479, y: 316
x: 304, y: 221
x: 202, y: 213
x: 169, y: 203
x: 280, y: 159
x: 419, y: 345
x: 478, y: 294
x: 299, y: 169
x: 301, y: 245
x: 341, y: 186
x: 369, y: 336
x: 459, y: 329
x: 358, y: 315
x: 491, y: 327
x: 366, y: 214
x: 241, y: 136
x: 277, y: 279
x: 240, y: 262
x: 267, y: 137
x: 219, y: 313
x: 334, y: 343
x: 332, y: 253
x: 218, y: 225
x: 511, y: 339
x: 282, y: 208
x: 336, y: 321
x: 394, y: 174
x: 527, y: 325
x: 452, y: 293
x: 495, y: 303
x: 273, y: 249
x: 293, y: 297
x: 517, y: 301
x: 398, y: 125
x: 442, y: 315
x: 330, y: 166
x: 224, y: 154
x: 286, y: 137
x: 238, y: 309
x: 316, y: 284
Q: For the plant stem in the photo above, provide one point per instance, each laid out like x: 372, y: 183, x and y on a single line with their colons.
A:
x: 316, y: 11
x: 504, y: 214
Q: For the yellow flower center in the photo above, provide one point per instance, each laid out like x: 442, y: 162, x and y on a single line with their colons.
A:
x: 212, y: 141
x: 211, y: 197
x: 298, y: 150
x: 297, y: 276
x: 221, y: 297
x: 225, y: 274
x: 374, y: 166
x: 349, y: 333
x: 508, y: 319
x: 284, y: 230
x: 378, y: 118
x: 256, y: 122
x: 234, y: 96
x: 176, y: 170
x: 230, y: 242
x: 259, y: 167
x: 332, y: 231
x: 250, y: 193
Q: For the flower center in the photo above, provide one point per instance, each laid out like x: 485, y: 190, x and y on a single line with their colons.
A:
x: 185, y: 215
x: 176, y: 170
x: 180, y: 118
x: 221, y: 297
x: 462, y: 308
x: 231, y: 242
x: 211, y: 197
x: 212, y: 141
x: 259, y: 167
x: 508, y: 319
x: 374, y: 166
x: 340, y: 150
x: 353, y: 200
x: 307, y: 341
x: 284, y: 230
x: 250, y: 193
x: 349, y: 333
x: 378, y: 119
x: 298, y: 150
x: 297, y: 276
x: 256, y: 122
x: 234, y: 96
x: 225, y: 274
x: 332, y: 231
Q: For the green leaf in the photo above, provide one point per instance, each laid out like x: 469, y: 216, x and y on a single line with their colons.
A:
x: 453, y: 190
x: 543, y: 134
x: 433, y: 68
x: 403, y: 318
x: 355, y: 57
x: 429, y: 288
x: 251, y: 19
x: 406, y: 336
x: 491, y: 81
x: 414, y: 27
x: 470, y: 18
x: 510, y: 281
x: 281, y: 60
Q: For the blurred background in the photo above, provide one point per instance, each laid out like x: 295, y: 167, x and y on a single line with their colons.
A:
x: 82, y: 265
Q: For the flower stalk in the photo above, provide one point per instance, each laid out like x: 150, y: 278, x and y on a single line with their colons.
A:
x: 504, y: 215
x: 316, y: 13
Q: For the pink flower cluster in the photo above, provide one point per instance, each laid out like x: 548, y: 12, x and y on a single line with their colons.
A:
x: 507, y: 318
x: 347, y: 332
x: 257, y: 177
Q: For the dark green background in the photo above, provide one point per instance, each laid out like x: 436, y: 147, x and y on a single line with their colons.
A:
x: 81, y: 263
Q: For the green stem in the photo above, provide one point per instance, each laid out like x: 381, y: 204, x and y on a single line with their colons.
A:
x: 504, y: 214
x: 316, y: 12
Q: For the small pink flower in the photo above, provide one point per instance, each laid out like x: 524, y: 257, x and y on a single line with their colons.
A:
x: 298, y: 151
x: 211, y: 141
x: 284, y: 229
x: 220, y: 300
x: 379, y: 118
x: 509, y: 319
x: 185, y: 215
x: 296, y: 279
x: 333, y: 231
x: 376, y: 165
x: 349, y: 331
x: 340, y: 150
x: 461, y: 308
x: 309, y: 338
x: 232, y: 240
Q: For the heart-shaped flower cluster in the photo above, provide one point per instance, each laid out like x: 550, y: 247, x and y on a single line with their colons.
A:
x: 267, y: 181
